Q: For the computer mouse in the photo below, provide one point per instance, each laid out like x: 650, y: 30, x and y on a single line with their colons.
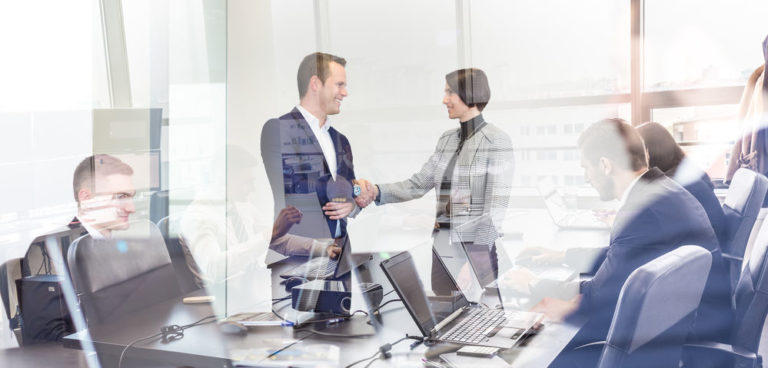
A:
x: 292, y: 282
x: 232, y: 328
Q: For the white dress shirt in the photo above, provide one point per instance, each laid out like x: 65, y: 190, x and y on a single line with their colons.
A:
x: 629, y: 189
x: 326, y: 144
x: 323, y: 138
x: 95, y: 234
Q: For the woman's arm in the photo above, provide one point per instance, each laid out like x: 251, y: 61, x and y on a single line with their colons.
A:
x: 418, y: 184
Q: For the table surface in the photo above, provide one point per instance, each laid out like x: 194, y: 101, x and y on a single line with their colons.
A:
x: 206, y: 345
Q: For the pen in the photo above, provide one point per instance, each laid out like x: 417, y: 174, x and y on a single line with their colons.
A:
x: 335, y: 320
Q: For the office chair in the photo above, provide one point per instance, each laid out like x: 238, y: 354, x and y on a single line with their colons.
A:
x: 158, y: 206
x: 741, y: 207
x: 655, y: 311
x: 114, y: 277
x: 10, y: 272
x: 181, y: 257
x: 750, y: 299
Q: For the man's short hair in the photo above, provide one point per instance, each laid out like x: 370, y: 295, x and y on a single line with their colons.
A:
x: 97, y: 166
x: 318, y: 64
x: 615, y: 140
x: 471, y: 85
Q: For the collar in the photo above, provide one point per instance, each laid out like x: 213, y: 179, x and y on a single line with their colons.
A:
x: 314, y: 122
x: 95, y: 234
x: 629, y: 189
x: 471, y: 126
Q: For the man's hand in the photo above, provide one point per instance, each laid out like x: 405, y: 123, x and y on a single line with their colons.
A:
x: 605, y: 215
x: 519, y: 279
x: 333, y: 251
x: 557, y: 309
x: 368, y: 193
x: 287, y: 217
x: 338, y: 210
x: 538, y: 256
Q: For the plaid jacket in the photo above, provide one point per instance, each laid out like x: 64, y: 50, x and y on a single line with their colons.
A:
x: 480, y: 186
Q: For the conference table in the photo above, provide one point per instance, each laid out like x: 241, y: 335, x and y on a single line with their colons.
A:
x: 207, y: 346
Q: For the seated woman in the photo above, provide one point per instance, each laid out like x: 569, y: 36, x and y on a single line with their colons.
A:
x: 664, y: 153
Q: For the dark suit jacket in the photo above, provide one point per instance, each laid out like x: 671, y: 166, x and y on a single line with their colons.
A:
x: 295, y: 163
x: 35, y: 259
x: 659, y: 216
x: 704, y: 191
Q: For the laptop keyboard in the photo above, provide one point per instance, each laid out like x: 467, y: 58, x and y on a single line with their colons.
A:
x: 317, y: 269
x: 476, y: 326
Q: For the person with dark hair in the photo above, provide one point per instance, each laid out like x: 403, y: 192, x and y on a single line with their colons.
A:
x: 656, y: 215
x: 303, y: 154
x: 470, y: 170
x: 664, y: 153
x: 103, y: 188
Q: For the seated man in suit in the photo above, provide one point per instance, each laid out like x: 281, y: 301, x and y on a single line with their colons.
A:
x: 103, y: 188
x: 224, y: 237
x: 656, y: 215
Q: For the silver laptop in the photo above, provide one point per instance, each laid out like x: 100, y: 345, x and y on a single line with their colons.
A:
x: 449, y: 316
x: 563, y: 217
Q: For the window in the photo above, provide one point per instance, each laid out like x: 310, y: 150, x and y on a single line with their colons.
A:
x: 694, y: 44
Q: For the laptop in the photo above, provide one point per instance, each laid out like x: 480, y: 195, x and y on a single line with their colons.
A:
x: 450, y: 317
x: 564, y: 217
x: 480, y: 260
x: 325, y: 268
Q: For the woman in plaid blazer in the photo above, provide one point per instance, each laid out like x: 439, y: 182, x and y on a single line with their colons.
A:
x: 471, y: 168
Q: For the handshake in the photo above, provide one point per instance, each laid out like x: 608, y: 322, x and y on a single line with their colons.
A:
x: 368, y: 192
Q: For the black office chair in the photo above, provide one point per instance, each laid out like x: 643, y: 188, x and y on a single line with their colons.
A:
x: 114, y: 277
x: 10, y: 272
x: 655, y: 311
x: 750, y: 298
x: 741, y: 206
x: 158, y: 206
x: 181, y: 257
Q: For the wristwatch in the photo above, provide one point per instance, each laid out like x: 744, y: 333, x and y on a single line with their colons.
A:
x: 356, y: 190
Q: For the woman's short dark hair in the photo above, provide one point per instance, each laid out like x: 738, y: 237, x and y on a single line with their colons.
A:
x: 663, y: 151
x: 471, y: 85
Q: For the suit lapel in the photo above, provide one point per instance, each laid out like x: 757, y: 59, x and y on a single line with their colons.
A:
x: 307, y: 135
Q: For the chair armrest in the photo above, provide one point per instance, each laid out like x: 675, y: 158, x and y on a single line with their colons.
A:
x: 732, y: 258
x: 709, y: 351
x: 591, y: 345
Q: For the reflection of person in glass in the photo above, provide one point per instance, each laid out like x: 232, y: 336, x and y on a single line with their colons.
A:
x: 104, y: 191
x: 303, y: 153
x: 470, y: 170
x: 224, y: 237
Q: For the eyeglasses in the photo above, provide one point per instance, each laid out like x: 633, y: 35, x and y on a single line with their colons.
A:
x: 122, y: 196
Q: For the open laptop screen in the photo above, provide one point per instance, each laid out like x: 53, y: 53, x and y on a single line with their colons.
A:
x: 479, y: 257
x: 427, y: 308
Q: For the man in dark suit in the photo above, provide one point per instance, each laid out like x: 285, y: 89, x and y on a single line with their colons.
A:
x: 104, y: 191
x: 103, y: 188
x: 303, y: 154
x: 656, y: 215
